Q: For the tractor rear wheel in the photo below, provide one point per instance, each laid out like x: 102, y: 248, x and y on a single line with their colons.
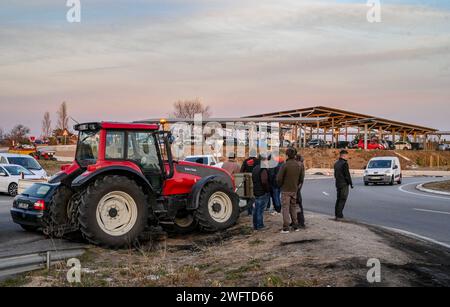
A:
x: 218, y: 207
x: 59, y: 212
x: 113, y: 212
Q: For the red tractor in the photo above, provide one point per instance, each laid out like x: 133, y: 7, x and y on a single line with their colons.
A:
x: 124, y: 180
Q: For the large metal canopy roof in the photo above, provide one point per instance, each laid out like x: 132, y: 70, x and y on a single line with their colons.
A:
x: 336, y: 118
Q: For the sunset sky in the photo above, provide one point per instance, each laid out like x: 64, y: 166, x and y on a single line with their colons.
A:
x: 131, y: 59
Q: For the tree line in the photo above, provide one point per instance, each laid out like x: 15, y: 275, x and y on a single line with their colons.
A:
x: 19, y: 134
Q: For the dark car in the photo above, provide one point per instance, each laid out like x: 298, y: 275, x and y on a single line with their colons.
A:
x: 317, y: 144
x: 342, y: 145
x: 29, y: 207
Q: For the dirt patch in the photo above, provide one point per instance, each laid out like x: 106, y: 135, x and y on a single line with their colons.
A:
x: 327, y: 253
x: 443, y: 186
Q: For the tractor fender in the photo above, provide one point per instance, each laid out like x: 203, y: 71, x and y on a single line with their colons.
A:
x: 84, y: 179
x: 194, y: 196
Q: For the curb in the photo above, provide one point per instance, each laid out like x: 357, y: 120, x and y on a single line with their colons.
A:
x: 421, y: 188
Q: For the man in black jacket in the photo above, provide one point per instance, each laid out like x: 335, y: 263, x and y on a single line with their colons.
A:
x: 343, y: 182
x: 261, y: 191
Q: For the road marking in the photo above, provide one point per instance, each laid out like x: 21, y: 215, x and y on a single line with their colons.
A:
x: 432, y: 211
x: 326, y: 194
x: 412, y: 234
x: 401, y: 188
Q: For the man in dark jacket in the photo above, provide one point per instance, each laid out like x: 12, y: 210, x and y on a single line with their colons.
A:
x: 261, y: 190
x: 301, y: 214
x: 288, y: 179
x: 275, y: 192
x: 343, y: 182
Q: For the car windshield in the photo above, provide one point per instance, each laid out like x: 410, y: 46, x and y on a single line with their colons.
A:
x: 380, y: 164
x: 199, y: 160
x: 87, y: 150
x: 15, y: 170
x: 27, y: 162
x: 38, y: 190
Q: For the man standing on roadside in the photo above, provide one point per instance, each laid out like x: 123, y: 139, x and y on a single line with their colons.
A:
x: 288, y: 179
x: 275, y: 193
x: 231, y: 166
x: 301, y: 214
x: 343, y: 182
x: 261, y: 190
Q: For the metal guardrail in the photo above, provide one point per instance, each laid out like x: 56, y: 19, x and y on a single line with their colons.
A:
x: 10, y: 266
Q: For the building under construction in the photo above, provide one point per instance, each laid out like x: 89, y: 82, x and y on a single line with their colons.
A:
x: 337, y: 125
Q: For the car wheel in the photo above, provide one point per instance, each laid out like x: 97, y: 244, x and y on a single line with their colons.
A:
x: 400, y: 180
x: 366, y: 183
x: 392, y: 180
x: 13, y: 189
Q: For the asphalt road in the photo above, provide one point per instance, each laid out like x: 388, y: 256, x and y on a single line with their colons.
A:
x: 400, y: 207
x: 15, y: 241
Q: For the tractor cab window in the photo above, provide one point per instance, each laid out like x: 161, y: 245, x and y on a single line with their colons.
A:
x: 115, y: 145
x: 143, y: 151
x: 87, y: 152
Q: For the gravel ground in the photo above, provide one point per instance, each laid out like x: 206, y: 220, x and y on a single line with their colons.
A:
x: 327, y: 253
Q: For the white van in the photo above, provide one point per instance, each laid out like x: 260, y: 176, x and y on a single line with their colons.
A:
x: 386, y: 170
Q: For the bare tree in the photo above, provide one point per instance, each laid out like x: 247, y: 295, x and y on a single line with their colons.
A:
x: 63, y: 118
x: 2, y: 134
x: 46, y: 125
x: 19, y: 134
x: 188, y: 108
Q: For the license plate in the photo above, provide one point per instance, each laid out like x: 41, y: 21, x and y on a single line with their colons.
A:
x: 22, y: 206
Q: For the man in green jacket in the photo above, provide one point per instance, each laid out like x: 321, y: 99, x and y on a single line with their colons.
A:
x: 289, y: 179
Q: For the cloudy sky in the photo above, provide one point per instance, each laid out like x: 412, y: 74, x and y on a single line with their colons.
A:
x: 131, y: 59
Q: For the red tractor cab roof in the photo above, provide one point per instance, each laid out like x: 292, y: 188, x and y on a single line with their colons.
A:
x: 115, y: 126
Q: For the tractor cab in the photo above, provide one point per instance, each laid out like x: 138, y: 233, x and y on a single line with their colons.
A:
x: 142, y: 147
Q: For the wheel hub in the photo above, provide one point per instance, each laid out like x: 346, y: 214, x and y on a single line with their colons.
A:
x: 220, y: 207
x: 113, y: 212
x: 216, y: 207
x: 117, y: 213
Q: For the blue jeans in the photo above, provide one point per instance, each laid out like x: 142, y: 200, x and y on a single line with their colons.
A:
x: 275, y: 194
x: 258, y: 212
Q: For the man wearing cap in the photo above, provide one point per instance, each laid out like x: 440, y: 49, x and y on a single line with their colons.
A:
x: 231, y: 166
x: 343, y: 182
x: 261, y: 191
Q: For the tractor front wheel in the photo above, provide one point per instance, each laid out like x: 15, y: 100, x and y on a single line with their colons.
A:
x: 218, y: 207
x: 113, y: 212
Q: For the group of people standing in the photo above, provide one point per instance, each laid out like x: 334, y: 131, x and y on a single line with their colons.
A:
x: 281, y: 185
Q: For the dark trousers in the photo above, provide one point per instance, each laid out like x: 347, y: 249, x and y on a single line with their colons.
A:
x: 258, y: 212
x: 342, y: 196
x: 275, y: 195
x: 300, y: 214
